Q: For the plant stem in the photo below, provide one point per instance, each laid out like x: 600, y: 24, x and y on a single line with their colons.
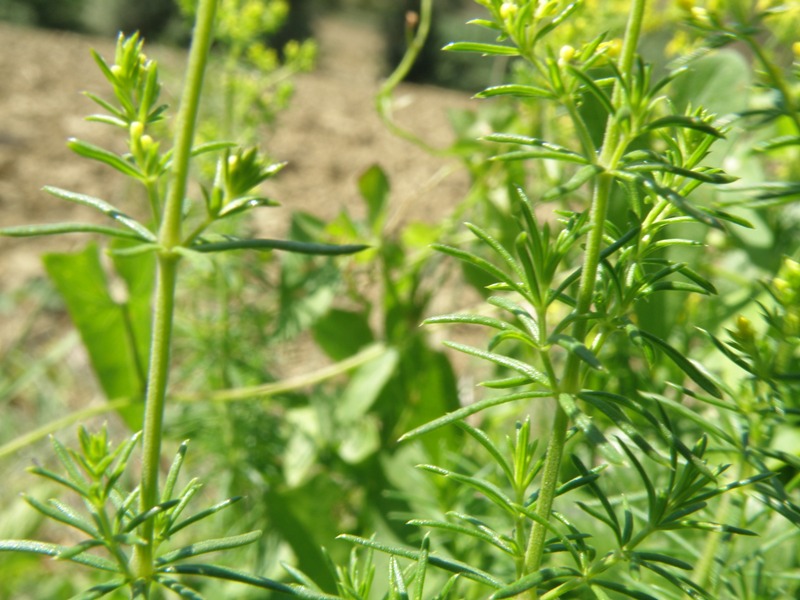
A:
x: 166, y: 277
x: 614, y: 145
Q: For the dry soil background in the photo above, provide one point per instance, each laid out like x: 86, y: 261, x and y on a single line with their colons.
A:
x: 329, y: 135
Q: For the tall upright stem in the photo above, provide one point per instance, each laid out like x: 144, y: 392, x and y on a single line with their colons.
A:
x: 166, y: 277
x: 613, y: 146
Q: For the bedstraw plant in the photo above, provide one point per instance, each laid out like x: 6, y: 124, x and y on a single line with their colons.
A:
x: 637, y: 434
x: 661, y: 472
x: 134, y: 526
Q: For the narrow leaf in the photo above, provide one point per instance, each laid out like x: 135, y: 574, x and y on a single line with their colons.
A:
x: 204, y: 570
x: 59, y: 228
x: 102, y: 155
x: 466, y: 411
x: 485, y: 49
x: 504, y: 361
x: 105, y: 208
x: 232, y: 243
x: 453, y: 566
x: 206, y: 546
x: 684, y: 364
x: 533, y: 580
x: 517, y: 90
x: 685, y: 122
x: 590, y: 430
x: 583, y: 175
x: 578, y: 349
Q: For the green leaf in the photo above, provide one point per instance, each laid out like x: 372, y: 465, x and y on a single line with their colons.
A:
x: 690, y: 415
x: 540, y: 153
x: 61, y: 513
x: 504, y: 361
x: 328, y: 329
x: 453, y: 566
x: 179, y: 588
x: 470, y: 320
x: 684, y: 122
x: 547, y: 574
x: 104, y: 156
x: 578, y: 349
x: 485, y: 49
x: 43, y: 548
x: 396, y: 579
x: 484, y: 265
x: 365, y: 385
x: 485, y: 441
x: 593, y: 88
x: 583, y: 175
x: 174, y: 472
x: 59, y: 228
x: 585, y: 424
x: 374, y: 187
x: 664, y: 558
x: 684, y: 364
x: 204, y: 570
x: 243, y: 204
x: 506, y: 545
x: 708, y: 176
x: 497, y: 247
x: 102, y: 324
x: 517, y: 90
x: 491, y: 491
x: 206, y: 546
x: 149, y: 514
x: 622, y: 589
x: 202, y: 515
x: 105, y: 208
x: 233, y: 243
x: 466, y: 411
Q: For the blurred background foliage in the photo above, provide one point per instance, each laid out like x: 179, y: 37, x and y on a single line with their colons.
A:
x: 161, y: 20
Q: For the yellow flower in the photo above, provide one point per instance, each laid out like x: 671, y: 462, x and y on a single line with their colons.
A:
x: 744, y: 328
x: 699, y: 14
x: 796, y: 50
x: 508, y: 10
x: 566, y: 54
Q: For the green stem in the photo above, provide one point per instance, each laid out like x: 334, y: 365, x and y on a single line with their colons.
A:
x: 614, y: 145
x: 776, y: 77
x: 166, y: 278
x: 383, y: 100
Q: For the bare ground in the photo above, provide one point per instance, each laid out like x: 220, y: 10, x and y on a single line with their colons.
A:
x: 329, y: 135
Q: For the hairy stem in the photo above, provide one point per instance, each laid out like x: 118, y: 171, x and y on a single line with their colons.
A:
x: 614, y: 145
x: 166, y: 277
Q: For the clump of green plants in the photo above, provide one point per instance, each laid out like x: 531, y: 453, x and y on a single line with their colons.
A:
x: 133, y: 524
x: 656, y: 462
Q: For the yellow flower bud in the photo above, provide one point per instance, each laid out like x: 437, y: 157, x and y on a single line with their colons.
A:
x: 136, y: 130
x: 699, y: 14
x: 796, y: 50
x: 508, y: 10
x: 792, y: 269
x: 744, y: 328
x: 686, y: 5
x: 566, y: 54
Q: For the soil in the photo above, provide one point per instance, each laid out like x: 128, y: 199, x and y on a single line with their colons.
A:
x: 329, y: 135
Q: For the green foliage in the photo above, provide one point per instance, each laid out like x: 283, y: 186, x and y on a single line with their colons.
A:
x: 148, y: 514
x: 632, y: 239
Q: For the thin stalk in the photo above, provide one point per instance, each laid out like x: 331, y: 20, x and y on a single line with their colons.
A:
x: 774, y: 74
x: 383, y: 100
x: 613, y: 146
x: 166, y: 278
